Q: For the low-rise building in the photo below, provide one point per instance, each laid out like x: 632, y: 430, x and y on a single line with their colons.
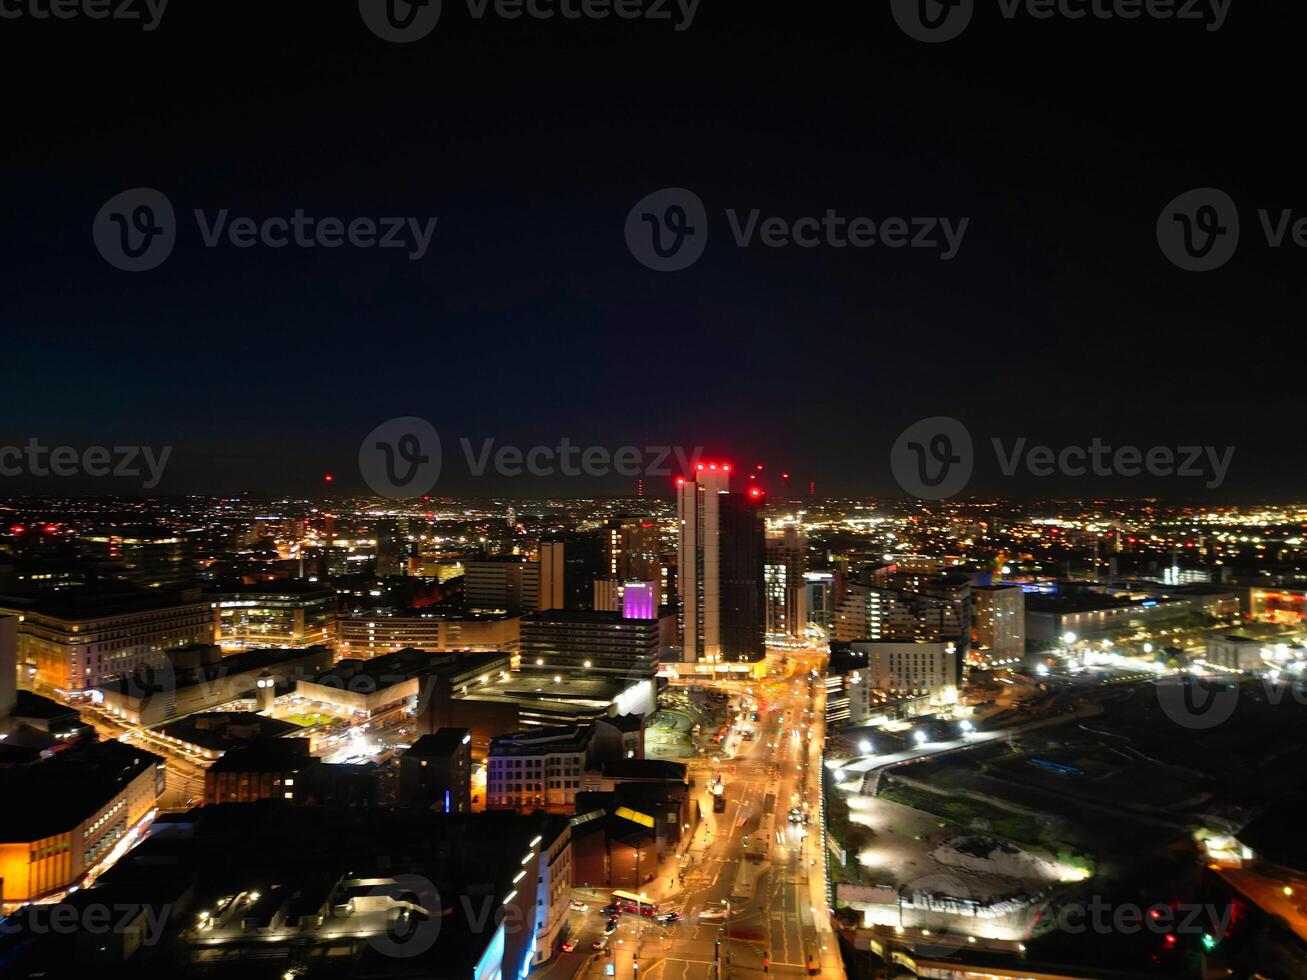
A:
x: 1235, y: 652
x: 596, y: 642
x: 196, y: 680
x: 274, y: 614
x: 66, y: 814
x: 436, y: 771
x: 75, y: 639
x: 541, y: 769
x: 364, y: 635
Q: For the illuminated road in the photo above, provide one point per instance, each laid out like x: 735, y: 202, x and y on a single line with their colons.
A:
x: 761, y: 897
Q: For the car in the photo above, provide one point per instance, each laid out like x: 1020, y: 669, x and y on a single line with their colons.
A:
x: 569, y: 946
x: 610, y: 927
x: 610, y: 909
x: 579, y: 906
x: 671, y: 917
x: 600, y: 944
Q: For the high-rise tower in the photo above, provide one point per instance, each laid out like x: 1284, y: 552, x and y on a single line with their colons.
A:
x: 720, y: 568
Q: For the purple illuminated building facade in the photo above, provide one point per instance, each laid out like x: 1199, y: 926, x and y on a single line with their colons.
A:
x: 640, y: 600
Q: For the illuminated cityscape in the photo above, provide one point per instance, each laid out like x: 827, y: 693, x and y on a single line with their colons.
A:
x: 652, y: 490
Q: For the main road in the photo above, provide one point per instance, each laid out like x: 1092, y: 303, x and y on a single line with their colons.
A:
x: 753, y: 893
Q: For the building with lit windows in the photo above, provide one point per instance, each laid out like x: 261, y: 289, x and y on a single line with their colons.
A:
x: 372, y: 633
x: 78, y: 808
x: 998, y: 626
x: 197, y: 678
x: 720, y: 569
x: 275, y: 614
x: 598, y: 642
x: 1286, y: 606
x: 786, y: 562
x: 871, y: 681
x: 75, y: 639
x: 540, y: 769
x: 149, y: 559
x: 631, y: 550
x: 908, y: 609
x: 507, y: 583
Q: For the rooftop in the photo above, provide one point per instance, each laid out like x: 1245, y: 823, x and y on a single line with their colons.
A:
x: 543, y: 741
x: 96, y: 600
x: 60, y: 792
x: 440, y: 744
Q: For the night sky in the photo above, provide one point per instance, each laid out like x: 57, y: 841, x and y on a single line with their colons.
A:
x: 529, y: 320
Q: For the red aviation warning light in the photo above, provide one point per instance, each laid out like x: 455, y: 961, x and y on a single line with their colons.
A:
x: 328, y: 478
x: 755, y: 492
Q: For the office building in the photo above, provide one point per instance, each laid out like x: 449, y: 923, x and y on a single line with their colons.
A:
x: 67, y: 813
x: 507, y: 583
x: 720, y: 569
x: 146, y: 558
x: 436, y: 771
x: 538, y: 770
x: 72, y: 640
x: 817, y: 604
x: 263, y: 770
x: 392, y: 549
x: 274, y: 614
x: 998, y: 627
x: 596, y: 642
x: 786, y: 561
x: 552, y: 575
x: 364, y: 635
x: 631, y: 550
x: 910, y: 608
x: 876, y: 680
x: 610, y: 595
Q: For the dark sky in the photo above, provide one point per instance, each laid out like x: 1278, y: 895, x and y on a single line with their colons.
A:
x: 529, y: 320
